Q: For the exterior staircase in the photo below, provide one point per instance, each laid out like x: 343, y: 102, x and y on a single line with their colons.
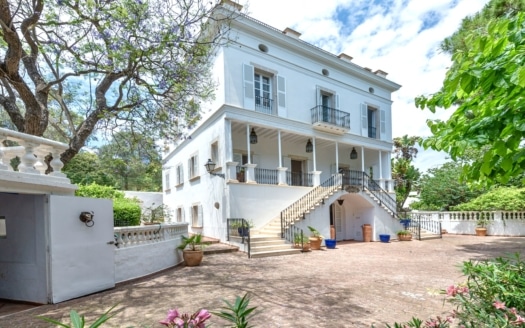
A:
x: 268, y: 242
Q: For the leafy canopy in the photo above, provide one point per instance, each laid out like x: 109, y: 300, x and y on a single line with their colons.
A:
x: 487, y: 82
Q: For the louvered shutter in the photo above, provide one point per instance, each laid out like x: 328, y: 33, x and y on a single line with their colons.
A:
x: 364, y: 120
x: 249, y: 92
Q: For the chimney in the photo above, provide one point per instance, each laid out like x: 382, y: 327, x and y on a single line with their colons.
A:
x: 381, y: 73
x: 231, y: 5
x: 367, y: 69
x: 290, y: 32
x: 345, y: 57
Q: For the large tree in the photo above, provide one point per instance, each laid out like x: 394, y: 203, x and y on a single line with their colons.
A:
x: 487, y: 84
x: 76, y: 66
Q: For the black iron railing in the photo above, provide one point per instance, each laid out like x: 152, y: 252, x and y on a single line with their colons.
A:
x: 299, y: 179
x: 239, y: 227
x: 266, y: 176
x: 330, y: 115
x: 416, y: 223
x: 263, y: 105
x: 315, y: 197
x: 361, y: 179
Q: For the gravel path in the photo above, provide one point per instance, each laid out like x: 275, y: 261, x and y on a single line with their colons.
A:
x: 355, y: 285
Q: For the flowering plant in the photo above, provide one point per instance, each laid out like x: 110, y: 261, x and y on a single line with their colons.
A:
x: 177, y: 320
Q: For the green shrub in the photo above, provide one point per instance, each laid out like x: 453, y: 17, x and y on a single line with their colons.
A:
x: 502, y: 198
x: 126, y: 212
x: 97, y: 191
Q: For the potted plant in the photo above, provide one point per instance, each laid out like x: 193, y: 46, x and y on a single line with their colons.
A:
x: 240, y: 175
x: 404, y: 235
x: 315, y: 239
x: 301, y: 241
x: 192, y: 249
x: 481, y: 226
x: 244, y: 228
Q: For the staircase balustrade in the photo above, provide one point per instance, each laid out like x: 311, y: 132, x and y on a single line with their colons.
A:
x: 417, y: 223
x: 239, y: 227
x: 306, y: 203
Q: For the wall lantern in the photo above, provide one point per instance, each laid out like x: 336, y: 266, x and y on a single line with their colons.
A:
x: 253, y: 137
x: 87, y: 218
x: 353, y: 154
x: 309, y: 146
x: 210, y: 166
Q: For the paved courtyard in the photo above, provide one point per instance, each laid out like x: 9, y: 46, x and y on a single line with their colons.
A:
x: 355, y: 285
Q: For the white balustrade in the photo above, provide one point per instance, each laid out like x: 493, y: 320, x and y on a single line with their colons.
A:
x: 32, y: 151
x: 142, y: 235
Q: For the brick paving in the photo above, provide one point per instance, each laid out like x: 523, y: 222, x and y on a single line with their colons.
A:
x: 354, y: 285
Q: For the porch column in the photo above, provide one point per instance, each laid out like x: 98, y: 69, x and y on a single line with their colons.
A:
x: 315, y: 162
x: 281, y: 171
x: 381, y: 181
x: 363, y: 159
x: 336, y: 157
x: 248, y: 143
x: 250, y: 173
x: 231, y: 171
x: 389, y: 173
x: 228, y: 146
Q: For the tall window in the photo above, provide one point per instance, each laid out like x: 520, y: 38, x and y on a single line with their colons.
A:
x: 215, y: 152
x: 372, y: 122
x: 196, y: 216
x: 167, y: 181
x: 263, y: 101
x: 179, y: 175
x: 193, y: 166
x: 180, y: 214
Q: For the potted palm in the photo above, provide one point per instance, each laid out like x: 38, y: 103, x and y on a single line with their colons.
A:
x: 404, y: 235
x: 481, y: 226
x: 301, y: 241
x: 192, y: 249
x: 315, y: 239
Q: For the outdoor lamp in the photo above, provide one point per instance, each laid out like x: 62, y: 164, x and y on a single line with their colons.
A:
x: 253, y: 137
x: 309, y: 146
x: 353, y: 154
x: 210, y: 166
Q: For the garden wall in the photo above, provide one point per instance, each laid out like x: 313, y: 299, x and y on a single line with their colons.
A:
x: 502, y: 223
x: 144, y: 250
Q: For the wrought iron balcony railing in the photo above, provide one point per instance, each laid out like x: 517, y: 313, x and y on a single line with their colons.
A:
x: 263, y: 105
x: 324, y: 114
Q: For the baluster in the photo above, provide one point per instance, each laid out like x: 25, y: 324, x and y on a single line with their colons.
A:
x: 56, y: 164
x: 2, y: 165
x: 27, y: 162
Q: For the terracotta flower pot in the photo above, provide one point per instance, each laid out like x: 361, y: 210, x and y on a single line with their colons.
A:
x: 315, y: 243
x: 481, y: 232
x: 404, y: 237
x: 192, y: 258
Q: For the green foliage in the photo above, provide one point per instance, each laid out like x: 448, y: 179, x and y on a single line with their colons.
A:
x: 78, y: 321
x: 126, y: 212
x: 156, y: 214
x: 239, y: 313
x: 97, y: 191
x: 315, y: 232
x: 441, y: 188
x: 193, y: 243
x: 404, y: 232
x: 501, y: 198
x: 487, y: 82
x: 404, y: 173
x: 86, y: 168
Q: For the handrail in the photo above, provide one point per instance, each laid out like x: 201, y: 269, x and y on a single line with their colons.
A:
x: 359, y: 178
x: 243, y: 229
x: 416, y: 223
x: 299, y: 208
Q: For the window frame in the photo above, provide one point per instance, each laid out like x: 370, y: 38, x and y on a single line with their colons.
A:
x: 179, y: 175
x: 193, y: 167
x: 196, y: 216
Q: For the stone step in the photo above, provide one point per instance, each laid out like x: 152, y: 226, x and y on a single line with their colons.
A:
x: 269, y: 247
x: 289, y: 251
x: 266, y: 242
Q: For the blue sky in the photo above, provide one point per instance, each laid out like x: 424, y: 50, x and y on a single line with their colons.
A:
x: 400, y: 37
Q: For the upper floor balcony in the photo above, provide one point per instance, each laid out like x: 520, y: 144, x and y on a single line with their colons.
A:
x: 330, y: 119
x: 264, y: 105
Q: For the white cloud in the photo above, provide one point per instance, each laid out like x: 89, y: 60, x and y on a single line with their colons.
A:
x: 387, y: 35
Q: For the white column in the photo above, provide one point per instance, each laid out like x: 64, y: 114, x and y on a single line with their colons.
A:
x: 248, y: 143
x: 228, y: 143
x: 315, y: 161
x: 363, y: 159
x: 279, y: 146
x: 336, y: 157
x: 381, y: 181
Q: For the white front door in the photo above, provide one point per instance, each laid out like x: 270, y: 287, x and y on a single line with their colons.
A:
x: 339, y: 222
x: 82, y: 258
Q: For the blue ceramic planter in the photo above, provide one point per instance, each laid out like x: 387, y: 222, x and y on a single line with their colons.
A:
x: 330, y: 243
x: 384, y: 238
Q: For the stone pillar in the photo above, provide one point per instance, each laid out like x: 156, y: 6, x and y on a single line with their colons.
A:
x: 250, y: 173
x: 231, y: 171
x: 281, y: 176
x: 316, y: 178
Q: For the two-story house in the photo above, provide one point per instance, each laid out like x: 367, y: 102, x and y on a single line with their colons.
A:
x: 298, y: 136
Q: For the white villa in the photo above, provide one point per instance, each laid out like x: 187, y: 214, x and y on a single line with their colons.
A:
x: 299, y: 136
